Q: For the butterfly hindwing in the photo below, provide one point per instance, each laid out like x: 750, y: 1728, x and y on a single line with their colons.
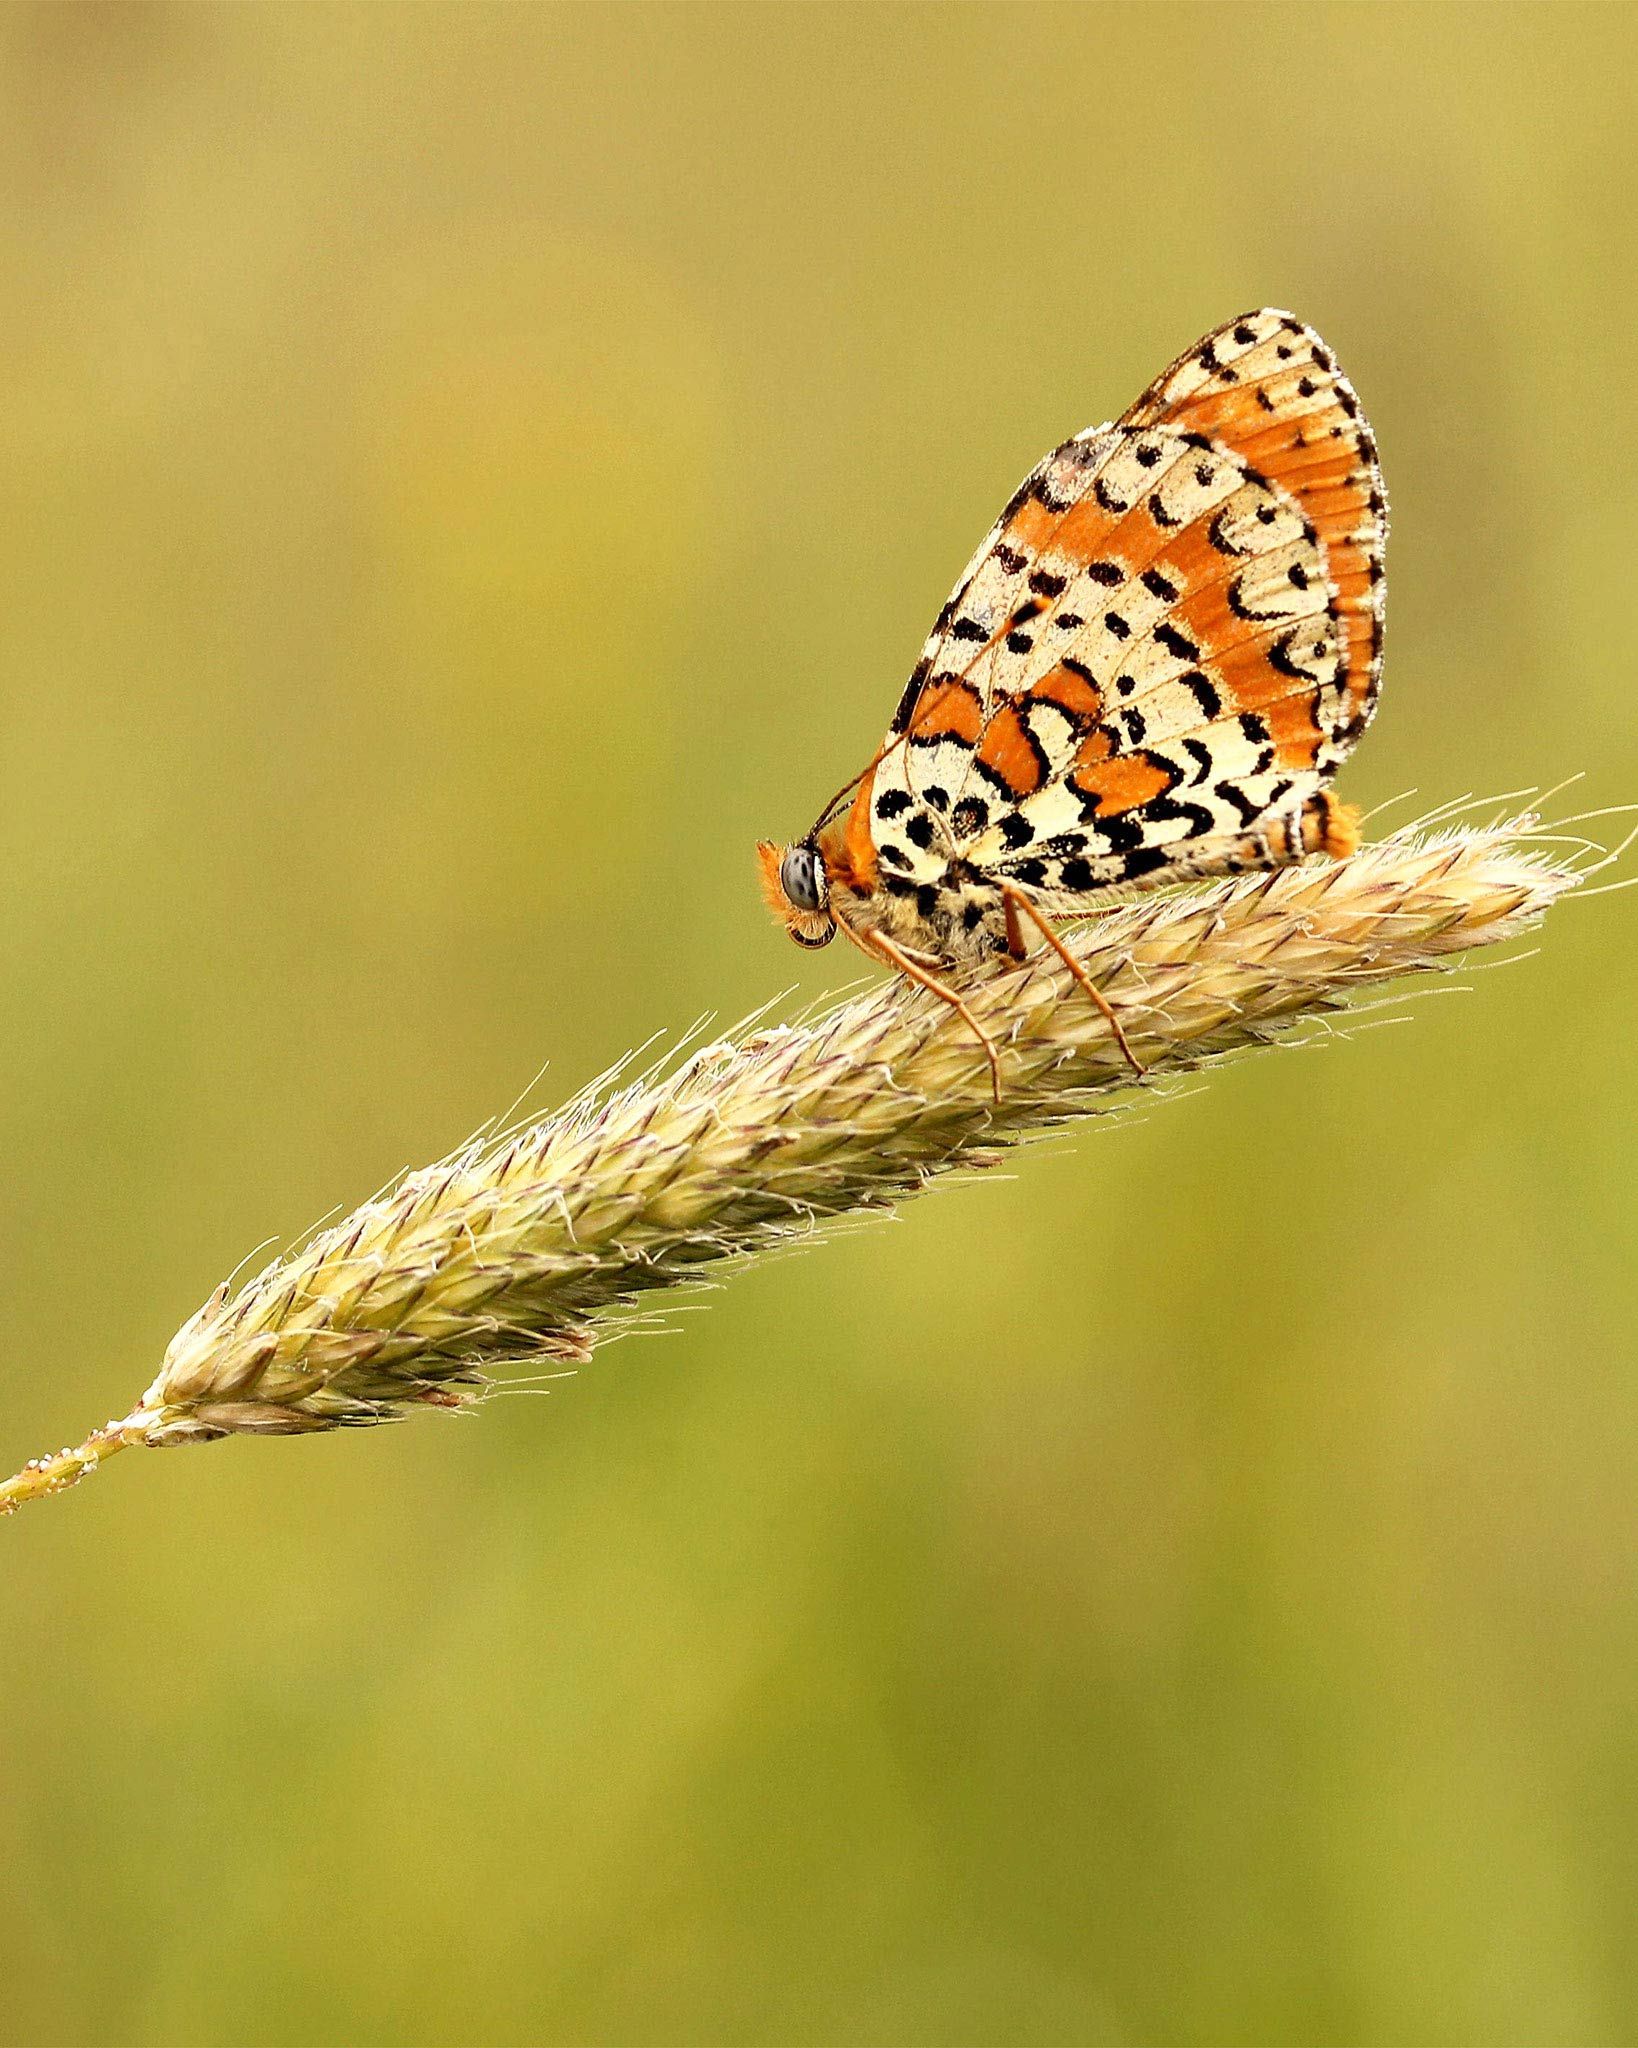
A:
x: 1173, y: 630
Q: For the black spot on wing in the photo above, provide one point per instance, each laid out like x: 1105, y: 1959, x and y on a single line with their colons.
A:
x: 1217, y: 534
x: 969, y: 817
x: 1195, y: 818
x: 912, y: 692
x: 1232, y: 794
x: 1280, y: 658
x: 1167, y: 635
x: 1234, y: 594
x: 1119, y: 833
x: 1041, y: 490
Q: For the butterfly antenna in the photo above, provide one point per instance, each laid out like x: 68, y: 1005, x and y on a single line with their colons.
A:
x: 893, y: 740
x: 839, y: 799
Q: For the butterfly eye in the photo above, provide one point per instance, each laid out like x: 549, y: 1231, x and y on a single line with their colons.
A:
x: 802, y: 877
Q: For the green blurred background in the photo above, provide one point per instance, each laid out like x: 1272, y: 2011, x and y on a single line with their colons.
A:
x: 468, y: 471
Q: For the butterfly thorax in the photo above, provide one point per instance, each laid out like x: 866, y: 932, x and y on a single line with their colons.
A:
x: 924, y: 897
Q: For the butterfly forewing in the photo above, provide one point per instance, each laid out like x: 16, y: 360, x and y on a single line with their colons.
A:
x: 1173, y: 630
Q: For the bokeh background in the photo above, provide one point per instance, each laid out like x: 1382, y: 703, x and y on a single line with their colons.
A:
x: 468, y: 471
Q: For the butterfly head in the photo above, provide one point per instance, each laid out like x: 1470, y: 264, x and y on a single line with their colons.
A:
x: 798, y: 890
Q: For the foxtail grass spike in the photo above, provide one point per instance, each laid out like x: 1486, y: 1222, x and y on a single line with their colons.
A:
x: 527, y: 1249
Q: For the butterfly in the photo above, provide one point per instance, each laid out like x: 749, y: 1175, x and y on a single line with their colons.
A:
x: 1154, y: 664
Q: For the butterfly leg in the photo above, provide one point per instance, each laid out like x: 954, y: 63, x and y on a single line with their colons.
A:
x: 1015, y: 901
x: 884, y: 949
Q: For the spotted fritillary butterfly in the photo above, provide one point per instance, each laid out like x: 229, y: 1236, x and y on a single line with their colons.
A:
x: 1151, y: 669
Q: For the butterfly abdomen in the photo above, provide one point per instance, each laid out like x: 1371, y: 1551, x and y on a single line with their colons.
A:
x: 1329, y: 827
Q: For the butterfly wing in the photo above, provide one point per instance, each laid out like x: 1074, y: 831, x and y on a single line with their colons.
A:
x: 1173, y: 630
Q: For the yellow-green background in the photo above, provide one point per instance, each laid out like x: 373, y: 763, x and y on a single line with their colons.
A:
x: 466, y: 473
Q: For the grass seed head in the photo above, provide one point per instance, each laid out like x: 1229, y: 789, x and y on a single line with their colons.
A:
x: 522, y: 1252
